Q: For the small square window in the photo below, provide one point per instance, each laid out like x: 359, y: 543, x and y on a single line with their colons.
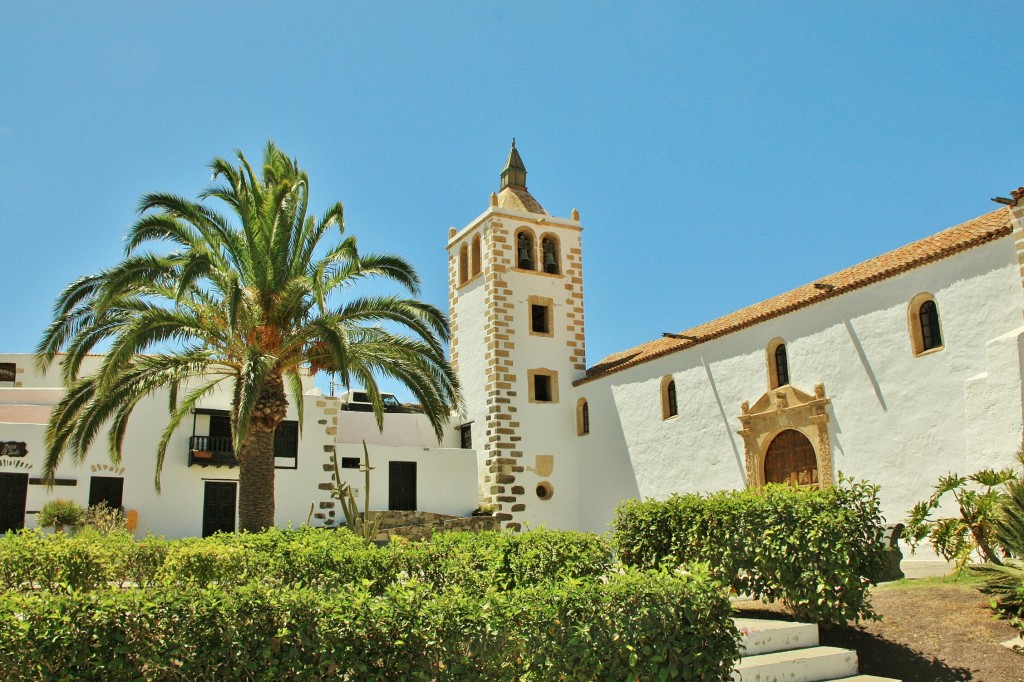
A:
x: 543, y: 385
x: 349, y: 462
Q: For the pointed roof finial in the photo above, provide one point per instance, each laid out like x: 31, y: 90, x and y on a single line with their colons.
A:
x: 514, y: 174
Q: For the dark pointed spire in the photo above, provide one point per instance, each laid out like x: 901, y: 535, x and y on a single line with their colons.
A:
x: 514, y: 174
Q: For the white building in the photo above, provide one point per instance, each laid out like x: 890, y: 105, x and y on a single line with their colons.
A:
x: 898, y: 370
x: 200, y: 474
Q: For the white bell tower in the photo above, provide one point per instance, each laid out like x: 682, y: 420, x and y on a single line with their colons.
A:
x: 516, y: 304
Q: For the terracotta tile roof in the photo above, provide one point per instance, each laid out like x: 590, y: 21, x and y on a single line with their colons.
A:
x: 962, y: 237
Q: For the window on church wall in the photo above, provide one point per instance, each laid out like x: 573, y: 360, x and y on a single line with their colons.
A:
x: 778, y: 364
x: 582, y: 417
x: 524, y: 251
x: 669, y: 403
x: 463, y: 264
x: 930, y: 336
x: 540, y: 311
x: 549, y: 253
x: 475, y: 257
x: 923, y: 319
x: 543, y: 385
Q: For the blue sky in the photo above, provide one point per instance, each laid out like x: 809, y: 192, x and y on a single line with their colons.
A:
x: 719, y: 153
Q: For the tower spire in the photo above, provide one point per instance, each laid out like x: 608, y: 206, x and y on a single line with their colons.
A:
x: 514, y: 174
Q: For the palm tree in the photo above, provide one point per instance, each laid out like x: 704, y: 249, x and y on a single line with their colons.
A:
x: 248, y: 305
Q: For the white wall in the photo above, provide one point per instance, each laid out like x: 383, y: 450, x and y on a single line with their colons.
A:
x: 898, y: 420
x: 445, y: 478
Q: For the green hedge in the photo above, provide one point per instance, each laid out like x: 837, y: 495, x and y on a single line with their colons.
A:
x: 629, y: 625
x: 816, y: 550
x: 305, y: 558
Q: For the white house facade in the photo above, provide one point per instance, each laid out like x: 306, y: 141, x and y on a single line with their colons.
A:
x: 897, y: 370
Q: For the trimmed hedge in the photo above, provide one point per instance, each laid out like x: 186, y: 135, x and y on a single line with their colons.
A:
x: 629, y: 625
x: 306, y: 558
x: 819, y: 551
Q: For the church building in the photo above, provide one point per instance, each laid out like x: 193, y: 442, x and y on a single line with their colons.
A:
x: 897, y: 370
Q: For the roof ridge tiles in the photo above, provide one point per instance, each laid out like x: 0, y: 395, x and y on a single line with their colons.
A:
x: 953, y: 240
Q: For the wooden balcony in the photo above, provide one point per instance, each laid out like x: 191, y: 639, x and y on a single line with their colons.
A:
x: 207, y: 451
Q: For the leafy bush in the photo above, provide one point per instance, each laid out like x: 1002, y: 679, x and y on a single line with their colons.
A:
x: 633, y: 625
x: 103, y: 519
x: 59, y: 513
x: 816, y: 550
x: 1005, y: 582
x: 956, y: 538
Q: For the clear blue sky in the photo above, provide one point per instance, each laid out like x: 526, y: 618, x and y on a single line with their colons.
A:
x: 719, y: 153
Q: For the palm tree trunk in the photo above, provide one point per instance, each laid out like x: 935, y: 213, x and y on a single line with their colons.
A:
x: 256, y: 459
x: 256, y: 481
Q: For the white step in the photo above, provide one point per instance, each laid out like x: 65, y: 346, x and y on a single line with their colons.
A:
x: 864, y: 678
x: 815, y: 664
x: 766, y: 636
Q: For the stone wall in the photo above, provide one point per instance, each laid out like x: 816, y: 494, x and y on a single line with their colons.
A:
x: 416, y: 525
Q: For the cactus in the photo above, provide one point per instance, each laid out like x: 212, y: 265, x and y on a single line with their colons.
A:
x: 360, y: 524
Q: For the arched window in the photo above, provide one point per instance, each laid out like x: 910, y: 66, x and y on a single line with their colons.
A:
x: 930, y: 335
x: 549, y: 251
x: 778, y: 364
x: 476, y: 256
x: 582, y: 417
x: 463, y: 264
x: 524, y: 251
x: 923, y: 320
x: 669, y: 404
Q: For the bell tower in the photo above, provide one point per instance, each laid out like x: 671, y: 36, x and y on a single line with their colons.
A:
x: 516, y: 304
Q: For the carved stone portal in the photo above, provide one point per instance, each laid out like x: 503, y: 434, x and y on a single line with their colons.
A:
x: 776, y: 411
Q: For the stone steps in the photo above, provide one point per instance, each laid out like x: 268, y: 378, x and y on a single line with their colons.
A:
x: 774, y: 651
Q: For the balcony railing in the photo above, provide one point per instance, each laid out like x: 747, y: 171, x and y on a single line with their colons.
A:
x: 211, y: 451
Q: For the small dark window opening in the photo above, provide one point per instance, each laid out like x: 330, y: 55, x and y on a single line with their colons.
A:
x: 585, y: 416
x: 930, y: 336
x: 525, y: 248
x: 673, y: 406
x: 286, y: 440
x: 539, y: 319
x: 349, y: 462
x: 466, y: 437
x: 542, y: 388
x: 106, y: 489
x: 781, y: 366
x: 8, y: 371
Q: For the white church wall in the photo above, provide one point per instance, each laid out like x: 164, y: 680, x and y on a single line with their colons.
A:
x: 896, y: 419
x: 606, y: 475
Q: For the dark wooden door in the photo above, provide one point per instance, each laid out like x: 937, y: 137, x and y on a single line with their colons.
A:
x: 13, y: 493
x: 402, y: 486
x: 219, y: 507
x: 790, y: 459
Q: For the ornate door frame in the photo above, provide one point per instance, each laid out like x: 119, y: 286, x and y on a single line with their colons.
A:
x: 780, y: 409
